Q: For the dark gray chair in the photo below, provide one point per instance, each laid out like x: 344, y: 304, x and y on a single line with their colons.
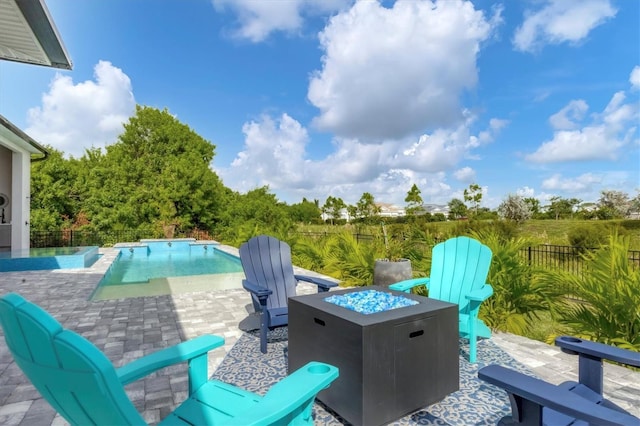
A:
x: 536, y: 402
x: 270, y: 280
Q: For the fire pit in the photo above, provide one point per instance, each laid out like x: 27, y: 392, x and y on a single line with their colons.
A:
x: 397, y: 352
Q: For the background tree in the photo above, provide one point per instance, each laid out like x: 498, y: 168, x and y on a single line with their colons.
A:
x: 457, y: 209
x: 352, y: 212
x: 635, y: 203
x: 413, y: 200
x: 54, y: 200
x: 306, y: 212
x: 256, y: 212
x: 156, y: 175
x: 333, y: 207
x: 366, y: 207
x: 514, y: 208
x: 534, y: 206
x: 613, y: 205
x: 587, y: 211
x: 473, y: 195
x: 562, y: 207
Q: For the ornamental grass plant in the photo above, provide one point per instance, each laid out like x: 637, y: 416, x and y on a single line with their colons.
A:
x: 519, y: 301
x: 603, y: 302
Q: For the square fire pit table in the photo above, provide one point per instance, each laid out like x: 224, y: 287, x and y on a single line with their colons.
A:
x: 391, y: 363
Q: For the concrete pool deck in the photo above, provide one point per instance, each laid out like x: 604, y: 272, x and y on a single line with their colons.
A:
x: 125, y: 329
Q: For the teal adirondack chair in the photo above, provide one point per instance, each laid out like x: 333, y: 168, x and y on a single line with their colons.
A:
x: 80, y: 382
x: 459, y: 269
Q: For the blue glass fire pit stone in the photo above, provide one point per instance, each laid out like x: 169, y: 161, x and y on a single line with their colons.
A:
x: 370, y: 301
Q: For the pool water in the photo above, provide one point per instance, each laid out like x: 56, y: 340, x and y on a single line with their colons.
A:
x: 151, y: 268
x: 37, y: 259
x: 137, y: 266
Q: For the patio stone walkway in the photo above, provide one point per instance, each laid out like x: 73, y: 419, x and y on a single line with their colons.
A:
x: 125, y: 329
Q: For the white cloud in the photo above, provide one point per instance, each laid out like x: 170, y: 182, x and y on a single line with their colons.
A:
x: 601, y: 139
x: 74, y: 117
x: 275, y: 154
x: 568, y: 116
x: 582, y: 183
x: 525, y: 192
x: 561, y: 21
x: 257, y: 19
x: 634, y: 78
x: 391, y: 72
x: 465, y: 174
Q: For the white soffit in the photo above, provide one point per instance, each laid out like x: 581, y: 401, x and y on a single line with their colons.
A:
x: 16, y: 140
x: 28, y: 34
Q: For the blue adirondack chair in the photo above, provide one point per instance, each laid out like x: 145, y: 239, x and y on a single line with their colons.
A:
x: 536, y: 402
x: 80, y: 382
x: 269, y: 278
x: 459, y: 268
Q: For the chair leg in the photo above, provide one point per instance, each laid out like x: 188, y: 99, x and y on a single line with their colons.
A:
x: 264, y: 326
x: 473, y: 338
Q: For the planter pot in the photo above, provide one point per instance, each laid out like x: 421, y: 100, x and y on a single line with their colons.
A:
x: 387, y: 272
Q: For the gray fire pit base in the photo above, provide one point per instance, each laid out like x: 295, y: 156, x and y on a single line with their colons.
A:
x: 391, y: 363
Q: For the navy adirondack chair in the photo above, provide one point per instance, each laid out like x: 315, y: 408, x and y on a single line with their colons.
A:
x: 80, y: 382
x: 271, y: 281
x: 536, y: 402
x: 459, y: 269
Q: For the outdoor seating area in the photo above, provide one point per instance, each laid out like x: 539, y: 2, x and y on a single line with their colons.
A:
x: 128, y: 329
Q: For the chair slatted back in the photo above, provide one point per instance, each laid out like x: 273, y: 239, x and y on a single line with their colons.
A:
x: 458, y: 266
x: 266, y: 261
x: 73, y: 375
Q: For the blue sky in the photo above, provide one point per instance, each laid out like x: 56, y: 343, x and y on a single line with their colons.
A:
x: 332, y: 97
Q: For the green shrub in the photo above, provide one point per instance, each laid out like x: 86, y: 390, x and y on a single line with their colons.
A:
x: 630, y: 224
x: 584, y: 237
x: 604, y: 301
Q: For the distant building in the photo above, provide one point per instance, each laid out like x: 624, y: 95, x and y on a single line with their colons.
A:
x: 390, y: 210
x: 434, y: 209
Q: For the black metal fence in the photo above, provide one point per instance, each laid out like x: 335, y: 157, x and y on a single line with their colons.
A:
x: 567, y: 258
x: 71, y: 238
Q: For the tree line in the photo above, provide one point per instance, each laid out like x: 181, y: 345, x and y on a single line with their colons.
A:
x: 157, y: 177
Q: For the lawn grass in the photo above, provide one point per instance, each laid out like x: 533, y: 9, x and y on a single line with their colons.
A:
x: 554, y: 232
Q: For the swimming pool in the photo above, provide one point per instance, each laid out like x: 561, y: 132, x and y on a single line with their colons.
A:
x: 37, y: 259
x: 157, y: 267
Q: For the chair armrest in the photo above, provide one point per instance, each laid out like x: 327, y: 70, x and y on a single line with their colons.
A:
x: 480, y: 294
x: 323, y: 285
x: 259, y: 291
x: 407, y: 285
x: 181, y: 352
x: 291, y: 398
x: 576, y: 346
x: 529, y: 394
